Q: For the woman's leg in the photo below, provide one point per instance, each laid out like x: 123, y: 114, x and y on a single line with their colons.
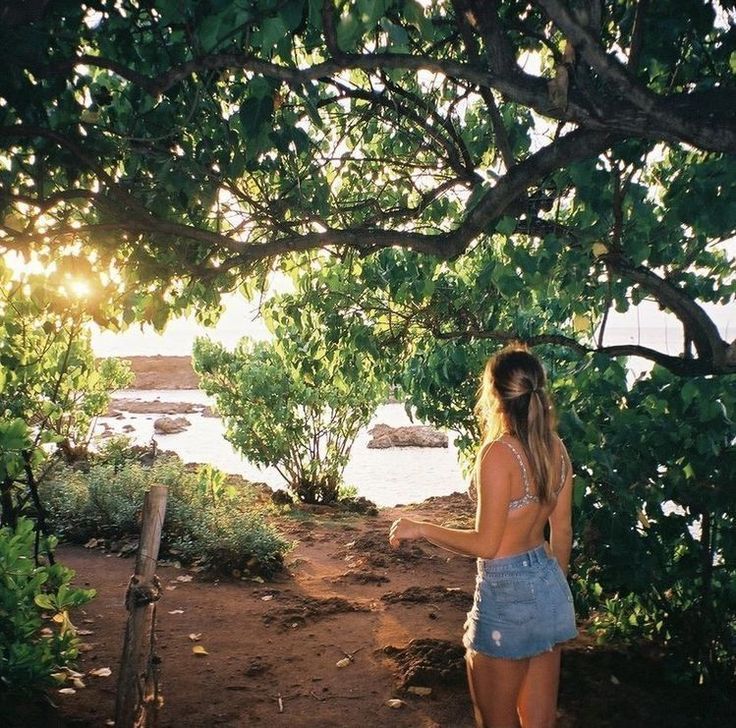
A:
x: 538, y: 696
x: 495, y: 685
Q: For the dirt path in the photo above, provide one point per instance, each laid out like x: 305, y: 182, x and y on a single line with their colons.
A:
x: 285, y: 638
x: 344, y: 594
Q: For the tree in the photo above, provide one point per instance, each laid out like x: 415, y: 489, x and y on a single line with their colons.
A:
x: 198, y: 144
x: 297, y: 403
x: 51, y: 387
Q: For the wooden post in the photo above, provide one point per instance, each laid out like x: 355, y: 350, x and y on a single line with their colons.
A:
x: 137, y: 696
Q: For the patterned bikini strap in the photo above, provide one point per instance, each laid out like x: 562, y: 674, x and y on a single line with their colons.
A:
x: 563, y: 467
x: 524, y: 475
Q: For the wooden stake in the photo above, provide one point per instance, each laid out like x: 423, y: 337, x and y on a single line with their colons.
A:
x: 137, y: 696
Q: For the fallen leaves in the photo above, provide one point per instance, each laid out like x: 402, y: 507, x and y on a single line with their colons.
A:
x: 100, y: 672
x: 199, y: 650
x: 344, y: 662
x: 195, y: 636
x: 416, y: 690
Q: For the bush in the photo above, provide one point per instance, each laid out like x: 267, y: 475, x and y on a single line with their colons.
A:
x: 37, y: 638
x: 208, y: 519
x: 296, y: 403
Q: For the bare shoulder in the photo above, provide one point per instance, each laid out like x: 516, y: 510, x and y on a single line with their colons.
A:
x: 497, y: 454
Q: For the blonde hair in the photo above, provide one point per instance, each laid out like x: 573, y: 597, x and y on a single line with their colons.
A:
x: 512, y: 398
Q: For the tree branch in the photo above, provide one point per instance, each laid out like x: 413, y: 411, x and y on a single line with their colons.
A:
x: 695, y: 127
x: 696, y: 322
x: 677, y: 365
x: 680, y: 117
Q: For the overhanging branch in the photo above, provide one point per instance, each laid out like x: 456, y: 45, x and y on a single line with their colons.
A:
x: 679, y: 366
x: 696, y: 125
x: 676, y: 118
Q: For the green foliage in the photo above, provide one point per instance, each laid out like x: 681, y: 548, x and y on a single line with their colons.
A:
x: 299, y: 402
x: 221, y: 525
x: 654, y: 554
x: 185, y: 159
x: 656, y: 528
x: 199, y: 117
x: 51, y: 386
x: 37, y: 638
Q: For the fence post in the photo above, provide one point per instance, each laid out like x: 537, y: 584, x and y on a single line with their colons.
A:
x: 137, y: 695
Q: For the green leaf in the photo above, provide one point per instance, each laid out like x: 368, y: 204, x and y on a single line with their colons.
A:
x: 255, y: 112
x: 209, y: 31
x: 272, y: 31
x: 349, y: 32
x: 398, y: 37
x: 45, y: 601
x: 292, y: 13
x: 689, y: 392
x: 506, y: 225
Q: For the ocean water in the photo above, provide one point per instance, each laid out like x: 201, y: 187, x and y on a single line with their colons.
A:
x: 387, y: 477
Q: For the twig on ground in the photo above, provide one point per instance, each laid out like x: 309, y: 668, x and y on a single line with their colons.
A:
x: 350, y: 655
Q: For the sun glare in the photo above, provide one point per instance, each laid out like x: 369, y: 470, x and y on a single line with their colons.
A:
x: 79, y: 288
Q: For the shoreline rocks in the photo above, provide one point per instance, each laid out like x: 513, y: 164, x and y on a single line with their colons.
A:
x: 170, y: 425
x: 384, y: 436
x: 119, y: 406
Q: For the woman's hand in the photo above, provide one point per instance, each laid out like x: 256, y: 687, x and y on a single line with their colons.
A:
x: 403, y: 529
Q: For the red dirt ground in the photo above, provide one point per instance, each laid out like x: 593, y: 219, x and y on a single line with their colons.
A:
x: 343, y: 593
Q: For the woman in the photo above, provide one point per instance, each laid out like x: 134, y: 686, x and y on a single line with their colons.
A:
x: 522, y: 609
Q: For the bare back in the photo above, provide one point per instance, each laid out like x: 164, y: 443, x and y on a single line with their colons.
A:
x: 527, y: 516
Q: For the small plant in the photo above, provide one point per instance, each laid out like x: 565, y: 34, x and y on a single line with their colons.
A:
x: 208, y: 518
x: 37, y: 637
x: 296, y: 403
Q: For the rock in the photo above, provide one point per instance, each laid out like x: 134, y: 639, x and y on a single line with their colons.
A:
x: 147, y: 407
x: 170, y: 425
x: 281, y: 498
x: 384, y: 436
x: 128, y: 428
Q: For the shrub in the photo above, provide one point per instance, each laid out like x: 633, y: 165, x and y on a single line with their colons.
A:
x: 207, y: 518
x: 37, y: 638
x: 296, y: 403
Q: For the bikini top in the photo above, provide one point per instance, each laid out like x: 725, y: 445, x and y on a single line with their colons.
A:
x: 528, y: 496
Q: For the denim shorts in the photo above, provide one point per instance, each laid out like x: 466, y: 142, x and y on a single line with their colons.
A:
x: 522, y: 606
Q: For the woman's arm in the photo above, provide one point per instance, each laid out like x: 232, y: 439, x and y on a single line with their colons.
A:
x: 560, y: 520
x: 490, y: 518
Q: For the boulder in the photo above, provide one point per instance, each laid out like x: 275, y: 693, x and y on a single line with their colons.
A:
x: 384, y: 436
x: 170, y: 425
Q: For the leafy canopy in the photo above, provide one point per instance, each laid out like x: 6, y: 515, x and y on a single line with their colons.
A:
x: 198, y: 145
